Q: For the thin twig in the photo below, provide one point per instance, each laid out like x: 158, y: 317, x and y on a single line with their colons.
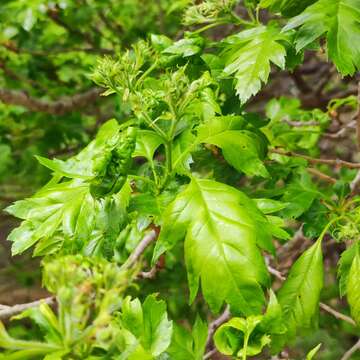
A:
x: 276, y: 273
x: 225, y: 316
x: 148, y: 274
x: 300, y: 82
x: 323, y: 306
x: 141, y: 247
x: 351, y: 351
x: 337, y: 314
x: 333, y: 162
x: 321, y: 175
x: 9, y: 311
x: 342, y: 132
x: 210, y: 353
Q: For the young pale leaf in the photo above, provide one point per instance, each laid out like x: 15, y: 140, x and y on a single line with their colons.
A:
x: 49, y: 211
x: 189, y: 346
x: 240, y: 337
x: 185, y: 47
x: 299, y: 295
x: 222, y: 228
x: 148, y: 324
x: 66, y: 211
x: 249, y: 54
x: 339, y: 20
x: 353, y: 288
x: 241, y: 148
x: 157, y: 327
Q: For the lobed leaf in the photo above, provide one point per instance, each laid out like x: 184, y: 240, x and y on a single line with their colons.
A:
x: 339, y: 20
x: 221, y: 244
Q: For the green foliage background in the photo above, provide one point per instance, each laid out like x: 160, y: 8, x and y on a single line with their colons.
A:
x: 220, y: 132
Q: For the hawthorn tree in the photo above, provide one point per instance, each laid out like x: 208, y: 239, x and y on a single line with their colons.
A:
x: 209, y: 216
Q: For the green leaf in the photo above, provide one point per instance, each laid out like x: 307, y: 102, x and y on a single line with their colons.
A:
x: 45, y: 318
x: 132, y: 316
x: 299, y: 295
x: 299, y: 194
x: 353, y: 288
x: 280, y: 131
x: 146, y: 144
x: 157, y: 327
x: 268, y: 206
x: 286, y: 7
x: 310, y: 355
x: 66, y: 206
x: 344, y: 266
x: 185, y: 47
x: 182, y: 147
x: 189, y: 346
x: 249, y: 54
x: 148, y: 324
x: 235, y: 337
x: 241, y: 148
x: 85, y: 164
x: 220, y: 244
x: 339, y: 20
x: 23, y: 349
x: 273, y: 320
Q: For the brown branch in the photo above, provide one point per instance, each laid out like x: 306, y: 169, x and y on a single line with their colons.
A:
x: 321, y: 175
x: 9, y: 311
x: 54, y: 51
x: 13, y: 75
x: 225, y: 316
x: 332, y: 162
x: 209, y: 354
x: 337, y: 314
x: 276, y: 273
x: 148, y: 274
x: 141, y: 247
x: 351, y: 351
x: 300, y: 82
x: 151, y: 274
x: 342, y: 132
x: 324, y: 77
x: 58, y: 107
